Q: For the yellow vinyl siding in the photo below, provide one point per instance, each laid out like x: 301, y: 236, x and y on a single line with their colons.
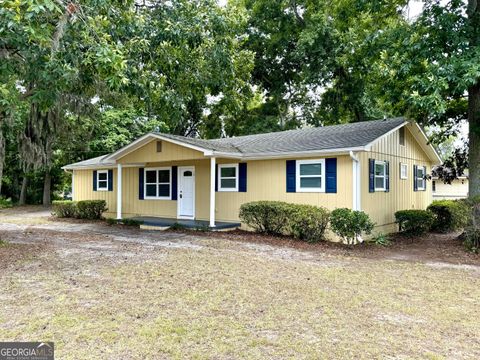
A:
x: 381, y: 206
x: 83, y: 183
x: 266, y: 180
x: 458, y: 189
x: 132, y: 206
x: 170, y: 152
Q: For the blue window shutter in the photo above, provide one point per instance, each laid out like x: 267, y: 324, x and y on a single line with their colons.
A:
x: 387, y: 176
x: 414, y: 177
x: 371, y: 177
x: 94, y: 180
x: 110, y: 180
x: 331, y: 173
x: 141, y: 181
x: 425, y: 172
x: 242, y: 177
x: 216, y: 177
x: 174, y: 182
x: 291, y: 176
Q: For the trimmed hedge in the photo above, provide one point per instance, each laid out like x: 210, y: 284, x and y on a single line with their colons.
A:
x: 309, y: 222
x: 267, y: 217
x: 91, y: 209
x: 449, y: 215
x: 414, y: 222
x: 64, y: 209
x: 86, y: 209
x: 350, y: 224
x: 304, y: 222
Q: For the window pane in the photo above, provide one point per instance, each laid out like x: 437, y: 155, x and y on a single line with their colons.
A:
x: 163, y: 176
x: 228, y: 172
x: 379, y: 183
x: 151, y: 176
x: 164, y: 190
x: 420, y: 184
x: 151, y: 190
x: 420, y: 172
x: 379, y: 169
x: 102, y: 184
x: 310, y: 169
x: 187, y: 173
x: 310, y: 182
x: 102, y: 176
x: 228, y: 183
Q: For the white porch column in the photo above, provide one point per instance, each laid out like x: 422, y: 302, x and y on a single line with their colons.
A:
x: 212, y: 191
x: 73, y: 185
x: 119, y: 191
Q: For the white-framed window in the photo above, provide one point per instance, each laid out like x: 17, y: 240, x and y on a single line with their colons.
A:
x: 380, y: 175
x: 310, y: 175
x: 420, y: 178
x: 228, y: 177
x: 403, y: 171
x: 102, y: 180
x: 158, y: 183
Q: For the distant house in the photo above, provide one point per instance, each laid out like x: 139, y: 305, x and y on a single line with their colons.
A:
x: 377, y: 166
x: 458, y: 189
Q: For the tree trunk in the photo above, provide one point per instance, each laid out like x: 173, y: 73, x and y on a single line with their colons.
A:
x: 474, y: 140
x: 2, y: 155
x: 473, y: 12
x: 47, y: 189
x: 23, y: 193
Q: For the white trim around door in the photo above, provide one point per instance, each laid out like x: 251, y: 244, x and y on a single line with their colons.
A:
x: 186, y: 192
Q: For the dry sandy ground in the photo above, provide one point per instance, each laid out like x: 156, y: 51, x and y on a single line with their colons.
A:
x: 102, y: 292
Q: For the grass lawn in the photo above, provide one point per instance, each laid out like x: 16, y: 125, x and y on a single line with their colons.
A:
x: 200, y: 296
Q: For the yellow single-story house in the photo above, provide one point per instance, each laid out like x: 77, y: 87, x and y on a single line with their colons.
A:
x: 376, y: 166
x: 457, y: 189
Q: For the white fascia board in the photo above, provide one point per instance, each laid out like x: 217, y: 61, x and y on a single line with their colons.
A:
x: 145, y: 139
x: 436, y: 157
x: 283, y: 155
x: 100, y: 166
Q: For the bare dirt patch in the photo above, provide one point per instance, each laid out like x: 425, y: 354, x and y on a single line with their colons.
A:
x: 117, y: 292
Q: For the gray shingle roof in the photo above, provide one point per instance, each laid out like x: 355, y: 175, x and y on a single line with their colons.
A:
x: 93, y: 162
x: 345, y: 136
x: 312, y: 139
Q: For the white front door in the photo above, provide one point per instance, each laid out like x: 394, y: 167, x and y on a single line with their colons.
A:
x: 186, y: 192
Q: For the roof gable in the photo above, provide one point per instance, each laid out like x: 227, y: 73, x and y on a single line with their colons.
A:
x: 301, y: 142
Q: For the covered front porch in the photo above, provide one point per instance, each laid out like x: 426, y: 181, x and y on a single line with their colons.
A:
x: 190, y: 192
x: 163, y: 222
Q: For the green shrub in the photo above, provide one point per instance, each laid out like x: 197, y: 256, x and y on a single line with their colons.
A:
x: 111, y: 221
x: 449, y: 215
x: 350, y: 224
x: 91, y: 209
x: 308, y: 222
x: 304, y: 222
x: 268, y: 217
x: 414, y: 222
x: 177, y: 226
x: 131, y: 222
x: 5, y: 203
x: 64, y: 209
x: 382, y: 240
